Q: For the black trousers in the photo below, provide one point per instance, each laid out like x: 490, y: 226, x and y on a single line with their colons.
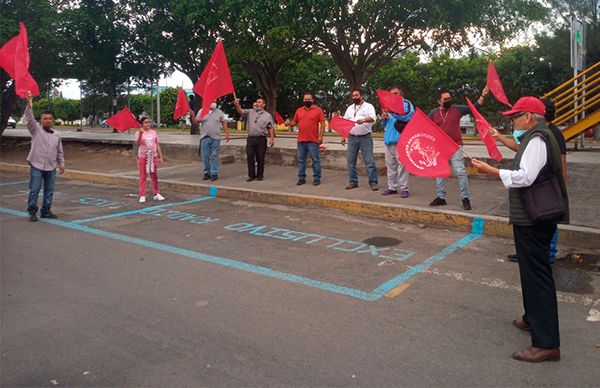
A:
x: 539, y: 293
x: 256, y: 147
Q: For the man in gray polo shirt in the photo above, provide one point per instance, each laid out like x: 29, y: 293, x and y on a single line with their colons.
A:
x: 210, y: 139
x: 259, y: 124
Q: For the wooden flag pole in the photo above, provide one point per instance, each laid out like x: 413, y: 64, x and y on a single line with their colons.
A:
x: 466, y: 153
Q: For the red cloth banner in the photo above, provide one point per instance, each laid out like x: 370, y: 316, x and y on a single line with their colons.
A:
x: 390, y: 101
x: 424, y: 148
x: 483, y: 129
x: 495, y: 86
x: 14, y: 58
x: 341, y: 126
x: 182, y: 106
x: 278, y: 118
x: 215, y: 81
x: 123, y: 120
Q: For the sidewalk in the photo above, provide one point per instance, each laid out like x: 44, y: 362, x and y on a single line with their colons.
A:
x: 488, y: 196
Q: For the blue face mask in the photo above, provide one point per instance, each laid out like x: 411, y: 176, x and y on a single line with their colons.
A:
x: 517, y: 133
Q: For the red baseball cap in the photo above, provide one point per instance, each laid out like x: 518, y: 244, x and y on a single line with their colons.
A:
x: 528, y: 104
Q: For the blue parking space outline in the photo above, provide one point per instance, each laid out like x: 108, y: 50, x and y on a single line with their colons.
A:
x: 376, y: 294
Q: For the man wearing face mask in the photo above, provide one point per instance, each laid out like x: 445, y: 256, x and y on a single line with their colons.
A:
x: 537, y: 155
x: 210, y: 139
x: 363, y: 114
x: 514, y: 142
x: 45, y: 156
x: 259, y: 124
x: 447, y: 117
x: 311, y: 124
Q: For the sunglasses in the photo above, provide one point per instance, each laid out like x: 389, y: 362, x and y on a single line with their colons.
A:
x: 514, y: 117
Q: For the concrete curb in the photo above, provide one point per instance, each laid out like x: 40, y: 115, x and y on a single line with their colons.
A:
x: 570, y: 235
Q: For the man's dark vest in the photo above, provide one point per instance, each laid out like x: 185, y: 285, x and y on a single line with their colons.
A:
x: 553, y: 167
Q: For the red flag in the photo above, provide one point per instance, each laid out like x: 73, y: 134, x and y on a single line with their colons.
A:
x: 14, y: 58
x: 483, y: 129
x: 495, y: 86
x: 341, y: 126
x: 424, y: 148
x: 278, y: 118
x: 182, y: 107
x: 215, y: 81
x: 390, y: 101
x: 123, y: 120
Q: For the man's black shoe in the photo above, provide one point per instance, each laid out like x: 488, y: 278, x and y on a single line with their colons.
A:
x: 466, y: 204
x: 214, y: 178
x: 301, y: 182
x: 49, y: 215
x: 33, y: 217
x: 316, y: 182
x: 437, y: 202
x: 206, y: 177
x: 250, y: 179
x: 260, y: 178
x: 513, y: 258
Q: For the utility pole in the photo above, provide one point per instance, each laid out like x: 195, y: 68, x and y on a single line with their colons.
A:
x: 158, y: 102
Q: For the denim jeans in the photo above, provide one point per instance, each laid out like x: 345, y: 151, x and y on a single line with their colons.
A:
x: 36, y: 176
x: 553, y: 248
x: 364, y: 144
x: 209, y: 149
x: 304, y: 148
x: 458, y: 165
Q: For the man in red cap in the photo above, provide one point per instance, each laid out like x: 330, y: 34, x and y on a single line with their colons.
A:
x: 538, y: 155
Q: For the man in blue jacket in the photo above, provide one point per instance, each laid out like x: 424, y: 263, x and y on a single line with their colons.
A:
x: 394, y: 123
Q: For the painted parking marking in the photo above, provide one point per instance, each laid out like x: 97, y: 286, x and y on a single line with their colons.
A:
x: 12, y: 183
x: 213, y: 194
x: 376, y: 294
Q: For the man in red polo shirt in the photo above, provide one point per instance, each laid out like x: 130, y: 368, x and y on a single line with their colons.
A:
x: 447, y: 117
x: 311, y: 124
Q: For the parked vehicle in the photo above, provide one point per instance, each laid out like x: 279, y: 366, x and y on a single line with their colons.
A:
x: 11, y: 123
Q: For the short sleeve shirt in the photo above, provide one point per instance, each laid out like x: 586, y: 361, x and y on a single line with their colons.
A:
x: 148, y: 144
x: 211, y: 124
x: 361, y: 111
x: 308, y: 123
x: 258, y: 123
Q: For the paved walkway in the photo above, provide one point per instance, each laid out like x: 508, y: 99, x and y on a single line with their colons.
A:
x: 488, y: 196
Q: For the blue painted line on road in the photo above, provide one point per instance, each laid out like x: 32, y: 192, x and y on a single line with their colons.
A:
x: 476, y: 232
x: 144, y: 210
x: 12, y: 183
x: 212, y: 191
x: 377, y: 293
x: 208, y: 258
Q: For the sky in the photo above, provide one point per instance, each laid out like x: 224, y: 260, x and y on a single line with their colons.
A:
x: 70, y: 87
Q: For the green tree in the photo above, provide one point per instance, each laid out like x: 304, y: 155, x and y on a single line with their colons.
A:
x: 364, y: 35
x: 43, y: 29
x: 260, y: 37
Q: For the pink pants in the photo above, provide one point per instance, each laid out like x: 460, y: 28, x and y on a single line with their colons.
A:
x: 141, y: 162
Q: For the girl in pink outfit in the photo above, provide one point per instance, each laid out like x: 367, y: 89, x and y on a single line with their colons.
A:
x: 149, y: 154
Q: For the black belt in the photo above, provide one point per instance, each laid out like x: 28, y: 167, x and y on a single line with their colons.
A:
x: 366, y: 134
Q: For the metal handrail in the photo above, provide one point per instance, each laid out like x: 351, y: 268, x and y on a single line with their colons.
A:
x: 592, y: 80
x: 566, y: 83
x: 577, y: 110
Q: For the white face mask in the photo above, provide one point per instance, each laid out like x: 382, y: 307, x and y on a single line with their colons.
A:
x: 213, y: 106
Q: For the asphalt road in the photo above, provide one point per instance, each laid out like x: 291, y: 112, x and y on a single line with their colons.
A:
x: 203, y: 291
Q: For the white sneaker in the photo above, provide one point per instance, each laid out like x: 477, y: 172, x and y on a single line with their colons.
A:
x: 142, y: 199
x: 159, y: 197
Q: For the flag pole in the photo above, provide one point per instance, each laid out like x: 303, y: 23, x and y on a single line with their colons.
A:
x: 466, y: 153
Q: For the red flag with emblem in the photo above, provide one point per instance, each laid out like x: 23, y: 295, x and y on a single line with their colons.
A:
x: 424, y: 148
x: 278, y: 118
x: 495, y: 86
x: 215, y: 81
x: 483, y: 129
x: 390, y: 101
x: 14, y: 58
x: 341, y: 126
x: 182, y: 107
x: 123, y: 120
